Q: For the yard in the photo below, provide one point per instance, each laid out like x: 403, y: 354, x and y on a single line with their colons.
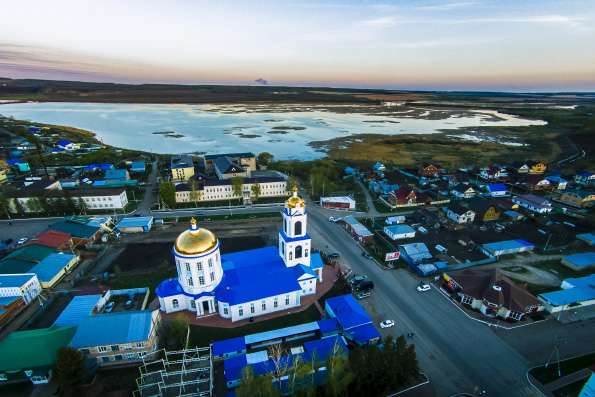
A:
x: 549, y: 374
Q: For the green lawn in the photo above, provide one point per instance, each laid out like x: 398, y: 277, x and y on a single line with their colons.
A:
x: 203, y: 336
x: 560, y: 270
x: 139, y: 280
x: 549, y: 374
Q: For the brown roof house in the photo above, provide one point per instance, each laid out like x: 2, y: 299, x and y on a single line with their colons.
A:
x: 492, y: 293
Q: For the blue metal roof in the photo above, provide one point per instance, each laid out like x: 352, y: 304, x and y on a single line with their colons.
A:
x: 586, y: 281
x: 51, y: 265
x: 588, y: 389
x: 497, y: 187
x: 347, y: 311
x: 588, y: 237
x: 569, y: 296
x: 281, y: 333
x: 255, y: 274
x: 7, y: 300
x: 79, y: 308
x: 74, y: 229
x: 507, y: 245
x: 585, y: 259
x: 137, y: 166
x: 316, y: 261
x: 136, y: 221
x: 14, y: 280
x: 113, y: 328
x: 227, y: 346
x: 363, y: 334
x: 328, y: 325
x: 63, y: 142
x: 399, y: 229
x: 116, y: 173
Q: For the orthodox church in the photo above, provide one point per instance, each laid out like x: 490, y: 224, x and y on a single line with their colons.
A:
x: 243, y: 284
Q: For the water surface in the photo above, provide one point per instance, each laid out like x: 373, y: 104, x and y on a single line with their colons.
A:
x: 284, y: 130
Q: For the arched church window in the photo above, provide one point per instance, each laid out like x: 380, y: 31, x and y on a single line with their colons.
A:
x: 175, y: 303
x: 290, y: 255
x: 298, y: 252
x: 298, y: 227
x: 306, y: 252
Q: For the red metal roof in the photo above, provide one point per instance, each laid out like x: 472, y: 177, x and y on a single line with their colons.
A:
x: 51, y: 238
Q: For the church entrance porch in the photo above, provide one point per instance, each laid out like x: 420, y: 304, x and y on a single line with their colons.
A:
x: 205, y: 306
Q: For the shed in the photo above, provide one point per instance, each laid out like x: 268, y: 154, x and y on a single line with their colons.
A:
x: 415, y: 253
x: 579, y: 262
x: 137, y: 166
x: 359, y: 231
x: 135, y: 224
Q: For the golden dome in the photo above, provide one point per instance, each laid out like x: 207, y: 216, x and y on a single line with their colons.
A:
x: 295, y: 201
x: 195, y: 240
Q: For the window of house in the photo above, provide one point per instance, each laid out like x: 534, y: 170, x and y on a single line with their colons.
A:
x: 240, y: 311
x: 286, y: 300
x: 264, y: 305
x: 225, y: 311
x: 102, y: 349
x: 212, y: 276
x: 275, y: 302
x: 190, y: 282
x: 115, y: 348
x: 201, y: 280
x: 175, y: 303
x: 252, y: 308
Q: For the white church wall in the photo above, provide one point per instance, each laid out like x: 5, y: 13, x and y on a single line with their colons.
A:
x: 294, y: 301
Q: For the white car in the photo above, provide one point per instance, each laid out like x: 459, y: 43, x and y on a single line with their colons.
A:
x: 424, y: 287
x: 387, y: 324
x: 331, y: 219
x: 22, y: 241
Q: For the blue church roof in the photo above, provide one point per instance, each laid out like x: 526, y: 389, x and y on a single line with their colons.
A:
x: 255, y: 274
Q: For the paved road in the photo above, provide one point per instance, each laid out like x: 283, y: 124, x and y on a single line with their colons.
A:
x: 16, y: 229
x: 457, y: 354
x: 149, y: 197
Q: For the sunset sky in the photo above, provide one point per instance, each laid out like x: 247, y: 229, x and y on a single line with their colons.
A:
x: 484, y: 44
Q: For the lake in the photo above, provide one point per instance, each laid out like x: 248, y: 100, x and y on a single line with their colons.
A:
x: 284, y: 130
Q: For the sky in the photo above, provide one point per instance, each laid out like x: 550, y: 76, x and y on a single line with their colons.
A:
x: 501, y: 45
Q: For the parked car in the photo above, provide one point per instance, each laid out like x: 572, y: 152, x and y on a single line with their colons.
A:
x: 387, y: 324
x: 366, y: 255
x: 362, y: 295
x: 109, y: 307
x: 129, y: 303
x: 334, y: 255
x: 357, y: 279
x: 365, y: 285
x: 22, y: 240
x: 423, y: 287
x: 331, y: 219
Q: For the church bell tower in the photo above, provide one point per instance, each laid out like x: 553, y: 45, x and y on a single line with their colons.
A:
x: 294, y: 241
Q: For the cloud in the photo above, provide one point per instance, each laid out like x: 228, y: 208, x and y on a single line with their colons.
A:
x: 381, y: 22
x: 447, y: 6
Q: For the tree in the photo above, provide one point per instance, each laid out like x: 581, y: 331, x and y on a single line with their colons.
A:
x: 167, y: 192
x: 81, y: 205
x: 69, y: 204
x: 291, y: 182
x: 256, y: 386
x: 195, y: 193
x: 237, y: 186
x: 339, y: 374
x: 4, y: 205
x: 176, y: 332
x: 34, y: 205
x: 264, y: 158
x: 69, y: 370
x: 18, y: 206
x: 255, y: 191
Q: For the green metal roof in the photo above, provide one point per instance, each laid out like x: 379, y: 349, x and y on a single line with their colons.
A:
x: 15, y: 266
x: 33, y: 253
x: 37, y: 348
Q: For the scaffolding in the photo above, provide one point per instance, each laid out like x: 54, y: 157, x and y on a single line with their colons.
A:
x: 182, y: 373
